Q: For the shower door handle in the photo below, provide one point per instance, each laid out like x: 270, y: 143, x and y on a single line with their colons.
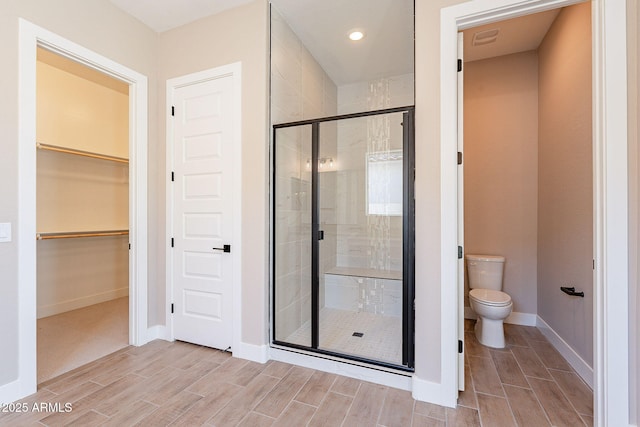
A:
x: 225, y: 248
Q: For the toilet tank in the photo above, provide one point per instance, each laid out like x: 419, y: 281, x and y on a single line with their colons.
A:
x: 485, y: 271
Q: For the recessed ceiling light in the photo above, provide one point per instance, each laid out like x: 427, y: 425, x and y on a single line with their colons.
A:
x: 356, y: 35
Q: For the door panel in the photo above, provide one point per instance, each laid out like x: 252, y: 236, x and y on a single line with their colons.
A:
x: 202, y: 216
x: 360, y: 265
x: 292, y: 228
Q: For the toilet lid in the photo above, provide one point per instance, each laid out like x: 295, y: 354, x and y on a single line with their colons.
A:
x: 490, y: 297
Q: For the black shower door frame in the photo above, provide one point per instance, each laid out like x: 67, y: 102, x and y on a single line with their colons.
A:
x: 408, y: 232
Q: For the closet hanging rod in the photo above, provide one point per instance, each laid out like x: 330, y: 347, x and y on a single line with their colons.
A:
x: 75, y: 234
x: 80, y: 153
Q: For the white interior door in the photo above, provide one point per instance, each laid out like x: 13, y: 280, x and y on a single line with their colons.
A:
x: 460, y: 212
x: 202, y: 213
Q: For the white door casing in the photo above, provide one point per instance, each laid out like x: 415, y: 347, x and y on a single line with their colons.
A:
x: 611, y: 364
x: 30, y: 37
x: 202, y: 138
x: 461, y: 210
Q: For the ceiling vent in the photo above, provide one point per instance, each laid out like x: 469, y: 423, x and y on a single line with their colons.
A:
x: 485, y: 37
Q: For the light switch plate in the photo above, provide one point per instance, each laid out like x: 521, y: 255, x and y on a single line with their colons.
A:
x: 5, y: 232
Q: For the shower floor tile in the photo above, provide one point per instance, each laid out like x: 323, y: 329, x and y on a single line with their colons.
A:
x: 381, y: 335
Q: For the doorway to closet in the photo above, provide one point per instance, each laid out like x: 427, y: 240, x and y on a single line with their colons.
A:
x: 82, y: 214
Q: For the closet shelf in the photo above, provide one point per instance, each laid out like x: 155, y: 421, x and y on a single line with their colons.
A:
x: 80, y: 153
x: 75, y: 234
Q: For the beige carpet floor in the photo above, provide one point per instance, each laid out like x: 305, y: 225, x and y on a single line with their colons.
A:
x: 75, y: 338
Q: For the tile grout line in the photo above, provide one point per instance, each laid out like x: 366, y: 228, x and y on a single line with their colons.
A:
x: 553, y: 379
x: 544, y: 411
x: 413, y: 412
x: 351, y: 405
x: 323, y: 399
x: 386, y: 393
x: 506, y: 397
x: 567, y: 397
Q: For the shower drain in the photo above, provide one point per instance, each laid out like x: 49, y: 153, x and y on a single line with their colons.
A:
x: 358, y: 334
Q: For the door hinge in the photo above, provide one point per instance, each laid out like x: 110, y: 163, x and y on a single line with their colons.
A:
x: 320, y: 234
x: 459, y: 252
x: 129, y: 246
x: 173, y: 110
x: 171, y: 308
x: 459, y: 65
x: 459, y: 157
x: 460, y: 346
x: 172, y: 242
x: 173, y: 176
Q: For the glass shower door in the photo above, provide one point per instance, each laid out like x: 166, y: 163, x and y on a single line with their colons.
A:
x: 292, y: 236
x: 343, y: 237
x: 360, y: 197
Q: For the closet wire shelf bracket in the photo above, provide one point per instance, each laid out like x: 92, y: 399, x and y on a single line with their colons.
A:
x: 58, y: 149
x: 77, y: 234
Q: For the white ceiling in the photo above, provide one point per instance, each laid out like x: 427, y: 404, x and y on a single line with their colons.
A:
x: 163, y: 15
x: 515, y: 35
x: 323, y: 27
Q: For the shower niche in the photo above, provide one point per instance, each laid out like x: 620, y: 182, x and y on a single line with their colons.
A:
x: 343, y: 236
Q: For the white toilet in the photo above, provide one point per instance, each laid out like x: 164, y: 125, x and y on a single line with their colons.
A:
x: 487, y: 300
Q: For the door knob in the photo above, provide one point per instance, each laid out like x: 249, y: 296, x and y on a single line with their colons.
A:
x: 225, y: 248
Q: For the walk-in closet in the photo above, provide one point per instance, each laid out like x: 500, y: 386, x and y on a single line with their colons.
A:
x: 82, y: 140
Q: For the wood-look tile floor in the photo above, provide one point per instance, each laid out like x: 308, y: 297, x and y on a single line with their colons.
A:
x: 162, y: 383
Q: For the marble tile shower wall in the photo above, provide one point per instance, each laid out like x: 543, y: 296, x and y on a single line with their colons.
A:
x: 364, y: 294
x: 300, y: 89
x: 364, y: 241
x: 356, y: 97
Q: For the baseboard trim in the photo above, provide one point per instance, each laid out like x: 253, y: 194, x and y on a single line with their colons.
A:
x: 74, y: 304
x: 10, y: 392
x: 574, y: 359
x: 524, y: 319
x: 515, y: 318
x: 255, y: 353
x: 427, y: 391
x: 157, y: 332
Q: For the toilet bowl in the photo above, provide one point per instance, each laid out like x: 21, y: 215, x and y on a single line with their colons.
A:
x: 487, y: 300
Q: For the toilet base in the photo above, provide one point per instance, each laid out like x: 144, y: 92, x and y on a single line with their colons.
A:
x: 490, y: 332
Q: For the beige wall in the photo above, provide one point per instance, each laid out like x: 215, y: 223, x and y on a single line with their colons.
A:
x: 101, y: 27
x: 427, y: 190
x: 235, y: 35
x: 565, y: 206
x: 501, y: 168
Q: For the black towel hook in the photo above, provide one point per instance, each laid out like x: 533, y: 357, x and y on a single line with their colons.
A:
x: 571, y: 291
